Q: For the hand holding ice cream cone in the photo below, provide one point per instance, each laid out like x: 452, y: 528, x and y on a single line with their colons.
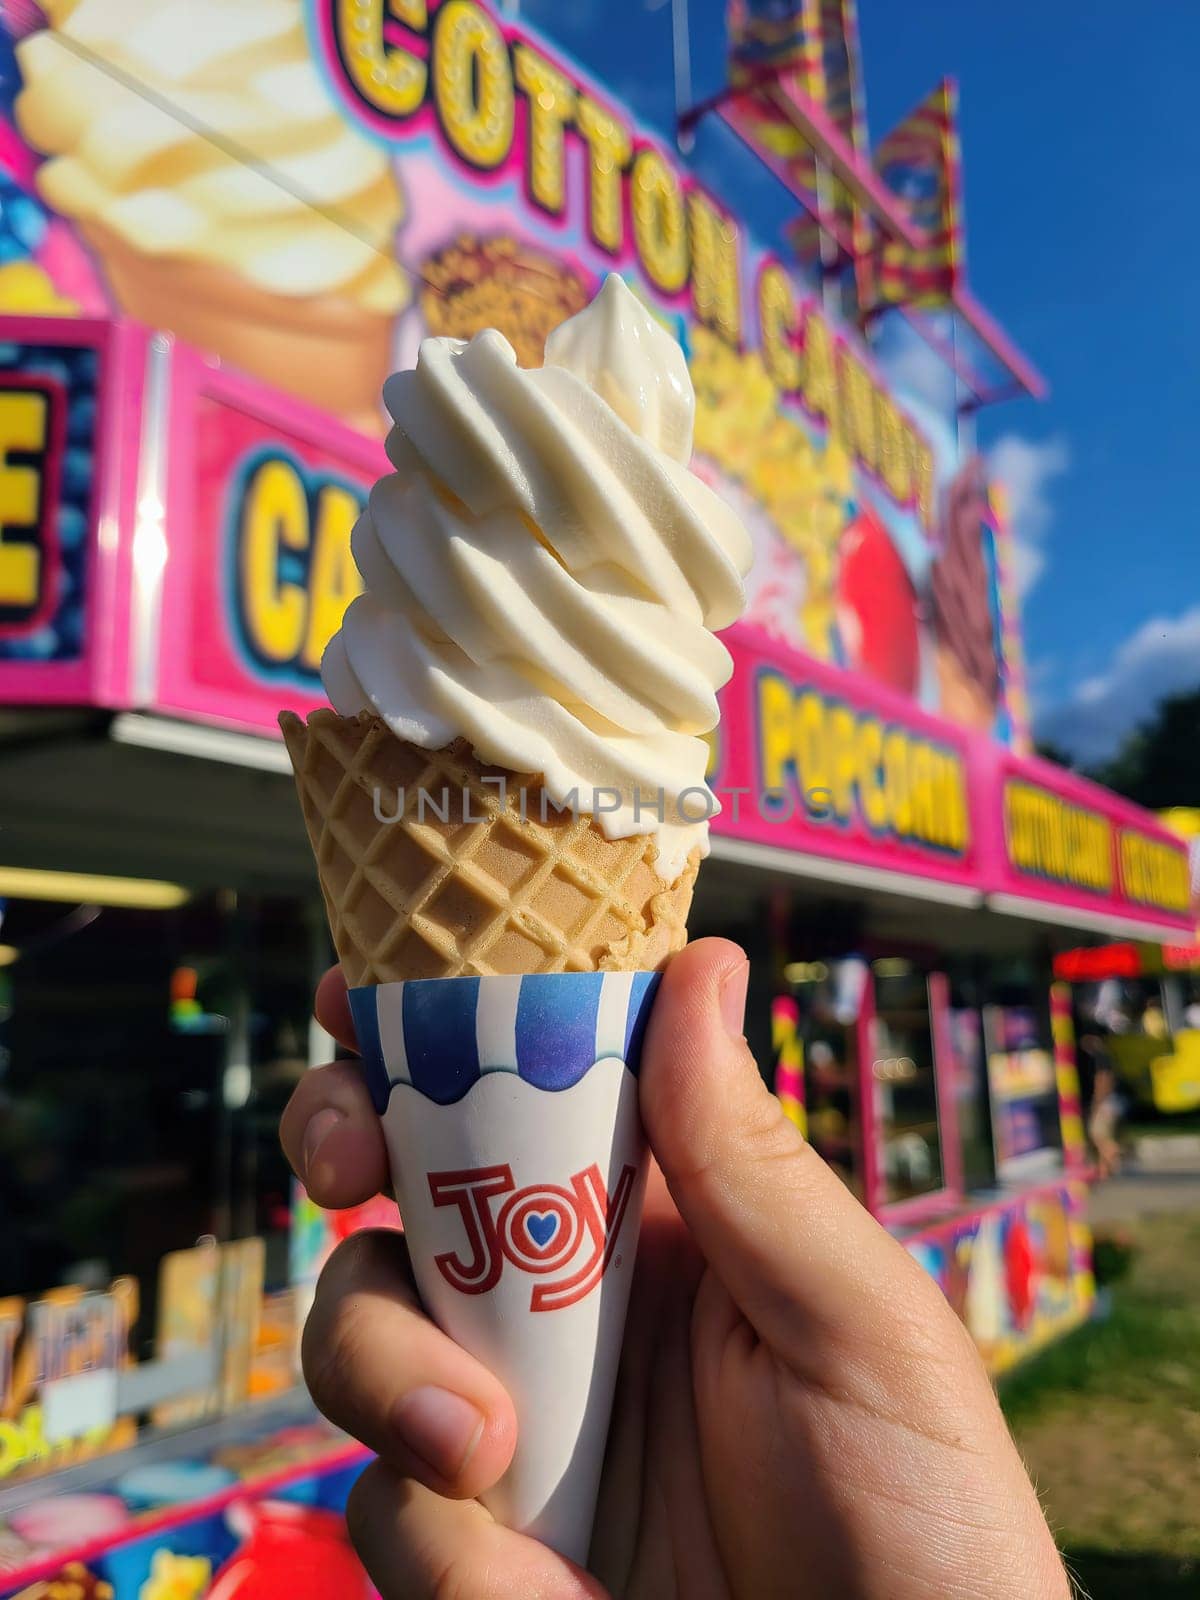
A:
x: 798, y: 1412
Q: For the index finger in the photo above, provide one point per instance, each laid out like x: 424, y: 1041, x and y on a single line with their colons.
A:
x: 332, y: 1008
x: 333, y: 1138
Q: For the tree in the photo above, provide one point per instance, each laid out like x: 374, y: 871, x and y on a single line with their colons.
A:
x: 1049, y: 751
x: 1158, y: 764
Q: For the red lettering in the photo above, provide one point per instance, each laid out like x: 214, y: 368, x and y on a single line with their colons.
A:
x: 604, y: 1218
x: 540, y: 1230
x: 470, y: 1192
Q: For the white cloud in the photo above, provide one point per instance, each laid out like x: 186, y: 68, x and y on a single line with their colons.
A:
x: 1162, y: 657
x: 1040, y: 673
x: 1027, y: 469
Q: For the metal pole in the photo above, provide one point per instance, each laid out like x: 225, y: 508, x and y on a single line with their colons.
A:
x: 827, y: 246
x: 965, y: 424
x: 681, y: 49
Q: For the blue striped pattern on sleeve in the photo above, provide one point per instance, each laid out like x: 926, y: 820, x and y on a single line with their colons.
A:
x: 442, y: 1034
x: 366, y: 1031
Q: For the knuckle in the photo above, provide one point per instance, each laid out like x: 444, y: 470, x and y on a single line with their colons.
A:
x: 362, y: 1509
x: 331, y: 1353
x: 371, y: 1259
x: 313, y: 1089
x: 766, y: 1131
x: 365, y: 1269
x: 757, y: 1138
x: 372, y: 1524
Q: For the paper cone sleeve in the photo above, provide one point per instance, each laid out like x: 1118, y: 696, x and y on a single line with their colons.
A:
x: 509, y: 1106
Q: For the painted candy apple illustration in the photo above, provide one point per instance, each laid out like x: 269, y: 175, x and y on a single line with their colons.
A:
x: 1020, y: 1270
x: 379, y: 1212
x: 877, y: 605
x: 300, y: 1551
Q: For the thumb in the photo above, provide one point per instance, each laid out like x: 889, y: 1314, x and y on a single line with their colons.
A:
x: 786, y: 1237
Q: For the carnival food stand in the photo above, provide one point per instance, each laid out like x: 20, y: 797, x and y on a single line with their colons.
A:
x: 188, y: 429
x: 1142, y: 1000
x: 1145, y: 999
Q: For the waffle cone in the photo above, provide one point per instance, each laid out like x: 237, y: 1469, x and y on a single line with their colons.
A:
x: 483, y: 892
x: 326, y: 349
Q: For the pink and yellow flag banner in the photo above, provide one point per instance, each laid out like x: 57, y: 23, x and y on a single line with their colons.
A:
x: 919, y: 162
x: 766, y: 39
x: 797, y: 57
x: 843, y: 103
x: 841, y: 71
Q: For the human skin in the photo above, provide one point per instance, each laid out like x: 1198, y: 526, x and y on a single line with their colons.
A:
x: 799, y: 1413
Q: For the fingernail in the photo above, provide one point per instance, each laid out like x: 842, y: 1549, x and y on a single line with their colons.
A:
x: 319, y: 1128
x: 440, y: 1427
x: 732, y: 1000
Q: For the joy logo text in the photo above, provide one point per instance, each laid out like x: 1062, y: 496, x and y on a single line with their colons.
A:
x: 564, y: 1234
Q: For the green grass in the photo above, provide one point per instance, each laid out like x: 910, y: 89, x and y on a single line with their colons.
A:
x: 1147, y: 1350
x: 1107, y: 1576
x: 1108, y: 1421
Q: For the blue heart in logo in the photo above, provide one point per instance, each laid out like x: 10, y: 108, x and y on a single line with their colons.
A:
x: 542, y: 1226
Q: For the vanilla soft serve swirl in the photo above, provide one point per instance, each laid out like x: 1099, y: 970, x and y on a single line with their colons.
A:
x: 543, y: 572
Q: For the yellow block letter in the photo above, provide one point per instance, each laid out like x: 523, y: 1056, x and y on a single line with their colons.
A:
x: 473, y: 83
x: 551, y: 102
x: 23, y: 418
x: 715, y: 279
x: 774, y: 731
x: 274, y: 518
x: 609, y: 146
x: 334, y: 580
x: 389, y: 79
x: 777, y: 320
x: 659, y: 224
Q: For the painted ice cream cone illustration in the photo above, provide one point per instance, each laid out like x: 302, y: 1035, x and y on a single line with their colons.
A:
x: 968, y: 664
x: 197, y: 150
x: 508, y: 810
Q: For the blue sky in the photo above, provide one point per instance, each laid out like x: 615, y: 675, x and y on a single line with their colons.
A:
x: 1080, y: 148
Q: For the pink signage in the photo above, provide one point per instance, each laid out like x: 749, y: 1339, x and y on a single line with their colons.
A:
x: 812, y: 758
x: 68, y: 396
x: 263, y: 493
x: 1053, y: 837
